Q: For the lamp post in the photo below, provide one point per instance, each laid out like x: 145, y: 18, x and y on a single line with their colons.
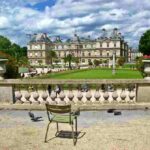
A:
x: 114, y: 61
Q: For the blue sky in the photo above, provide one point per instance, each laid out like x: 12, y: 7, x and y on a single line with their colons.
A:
x: 64, y: 17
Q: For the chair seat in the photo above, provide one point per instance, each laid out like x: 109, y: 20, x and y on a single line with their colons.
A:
x: 63, y: 118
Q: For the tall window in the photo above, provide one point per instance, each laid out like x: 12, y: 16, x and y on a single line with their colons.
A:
x: 100, y: 53
x: 114, y: 44
x: 89, y: 54
x: 82, y: 53
x: 100, y: 44
x: 83, y: 60
x: 107, y: 44
x: 107, y: 53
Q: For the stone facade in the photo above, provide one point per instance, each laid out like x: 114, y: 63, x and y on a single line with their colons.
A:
x: 85, y: 49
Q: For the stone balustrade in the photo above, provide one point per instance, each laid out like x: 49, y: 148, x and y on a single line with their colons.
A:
x: 76, y: 92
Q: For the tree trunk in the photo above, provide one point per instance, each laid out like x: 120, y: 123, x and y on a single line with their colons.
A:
x: 70, y: 65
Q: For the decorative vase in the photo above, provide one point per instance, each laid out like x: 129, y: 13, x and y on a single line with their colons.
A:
x: 147, y: 68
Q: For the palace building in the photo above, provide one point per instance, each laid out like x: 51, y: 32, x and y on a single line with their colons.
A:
x: 85, y: 49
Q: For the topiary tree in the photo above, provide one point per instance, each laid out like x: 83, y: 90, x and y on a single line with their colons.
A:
x: 96, y: 62
x: 50, y: 56
x: 144, y: 43
x: 121, y: 61
x: 90, y: 63
x: 69, y: 58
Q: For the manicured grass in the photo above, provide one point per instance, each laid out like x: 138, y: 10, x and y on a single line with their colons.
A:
x: 95, y: 74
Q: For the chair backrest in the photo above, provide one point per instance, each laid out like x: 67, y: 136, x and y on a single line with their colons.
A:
x: 60, y: 109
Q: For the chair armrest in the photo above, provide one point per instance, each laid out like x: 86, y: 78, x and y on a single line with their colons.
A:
x: 76, y: 112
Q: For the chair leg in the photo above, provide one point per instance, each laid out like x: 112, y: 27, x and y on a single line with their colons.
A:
x: 73, y: 134
x: 57, y: 127
x: 76, y: 127
x: 47, y: 132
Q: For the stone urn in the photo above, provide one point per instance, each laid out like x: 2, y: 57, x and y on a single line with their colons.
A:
x: 2, y: 68
x: 147, y: 68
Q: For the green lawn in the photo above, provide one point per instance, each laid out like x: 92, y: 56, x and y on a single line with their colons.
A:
x: 95, y: 74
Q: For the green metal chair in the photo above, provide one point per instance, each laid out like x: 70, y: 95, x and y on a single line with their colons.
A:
x: 62, y: 114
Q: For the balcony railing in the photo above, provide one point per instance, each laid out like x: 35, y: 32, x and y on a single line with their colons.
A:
x: 82, y: 92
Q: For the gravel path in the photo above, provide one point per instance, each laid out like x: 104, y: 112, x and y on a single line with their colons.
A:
x: 99, y: 130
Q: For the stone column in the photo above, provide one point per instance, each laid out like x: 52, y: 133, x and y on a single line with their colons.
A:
x: 6, y: 94
x: 143, y: 93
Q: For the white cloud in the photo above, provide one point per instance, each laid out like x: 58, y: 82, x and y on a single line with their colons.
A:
x: 4, y: 22
x: 132, y: 17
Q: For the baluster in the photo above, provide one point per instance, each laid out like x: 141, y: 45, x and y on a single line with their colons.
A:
x: 115, y: 95
x: 123, y: 95
x: 106, y: 95
x: 88, y: 96
x: 53, y: 97
x: 131, y: 95
x: 70, y: 95
x: 97, y: 95
x: 62, y: 96
x: 18, y: 96
x: 44, y: 95
x: 27, y: 96
x: 79, y: 96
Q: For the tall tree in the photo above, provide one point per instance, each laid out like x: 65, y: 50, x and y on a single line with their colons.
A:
x: 77, y: 61
x: 4, y: 43
x: 144, y: 44
x: 121, y: 61
x: 69, y: 59
x: 12, y: 49
x: 50, y: 56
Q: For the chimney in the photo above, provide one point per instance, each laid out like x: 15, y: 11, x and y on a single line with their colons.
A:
x: 115, y: 32
x: 104, y: 33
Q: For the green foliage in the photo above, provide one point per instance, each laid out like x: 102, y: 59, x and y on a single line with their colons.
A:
x: 100, y: 61
x: 144, y: 44
x: 16, y: 55
x: 69, y: 58
x: 12, y: 49
x: 105, y: 61
x: 11, y: 66
x: 96, y: 62
x: 4, y: 43
x: 50, y: 56
x: 121, y: 61
x: 77, y: 61
x: 90, y: 63
x: 140, y: 65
